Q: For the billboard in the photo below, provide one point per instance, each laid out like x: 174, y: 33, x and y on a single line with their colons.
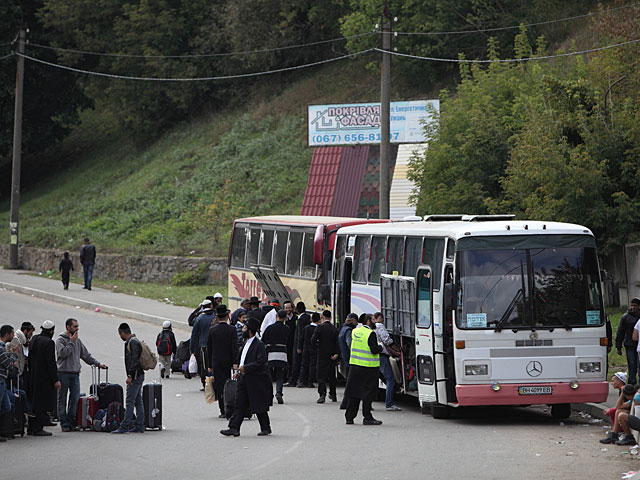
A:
x: 359, y: 123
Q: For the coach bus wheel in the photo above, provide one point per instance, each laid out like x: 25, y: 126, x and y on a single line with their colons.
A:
x: 440, y: 411
x: 425, y: 409
x: 561, y: 411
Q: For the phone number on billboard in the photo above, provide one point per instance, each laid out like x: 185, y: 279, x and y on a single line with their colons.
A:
x: 351, y: 137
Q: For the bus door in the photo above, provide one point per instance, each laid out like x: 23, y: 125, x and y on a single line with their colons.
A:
x: 271, y: 284
x: 342, y: 292
x: 425, y: 340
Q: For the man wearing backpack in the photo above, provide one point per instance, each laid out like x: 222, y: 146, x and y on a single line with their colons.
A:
x: 135, y: 380
x: 166, y: 345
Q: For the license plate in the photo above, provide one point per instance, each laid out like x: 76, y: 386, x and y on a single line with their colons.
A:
x: 546, y: 390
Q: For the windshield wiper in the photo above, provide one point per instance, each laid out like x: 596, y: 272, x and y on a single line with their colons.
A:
x: 507, y: 313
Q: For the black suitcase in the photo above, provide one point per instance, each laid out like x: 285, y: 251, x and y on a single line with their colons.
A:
x: 106, y: 392
x: 152, y: 400
x: 184, y: 353
x: 229, y: 395
x: 176, y: 365
x: 12, y: 422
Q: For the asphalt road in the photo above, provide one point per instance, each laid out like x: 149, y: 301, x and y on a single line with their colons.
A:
x: 309, y: 440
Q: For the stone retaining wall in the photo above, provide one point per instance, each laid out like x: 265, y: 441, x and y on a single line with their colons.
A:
x: 140, y: 268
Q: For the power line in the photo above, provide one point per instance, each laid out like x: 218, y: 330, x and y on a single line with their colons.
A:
x: 508, y: 60
x: 195, y: 79
x: 511, y: 27
x: 203, y: 55
x: 7, y: 56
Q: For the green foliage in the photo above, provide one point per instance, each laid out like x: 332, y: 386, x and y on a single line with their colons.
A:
x: 196, y: 277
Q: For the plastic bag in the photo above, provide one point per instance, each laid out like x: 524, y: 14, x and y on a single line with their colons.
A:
x: 193, y: 364
x: 209, y: 393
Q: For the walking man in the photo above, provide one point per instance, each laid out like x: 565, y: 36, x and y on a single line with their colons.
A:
x: 70, y: 350
x: 44, y: 379
x: 166, y: 346
x: 362, y: 382
x: 624, y: 336
x: 344, y: 342
x: 254, y: 390
x: 66, y: 265
x: 384, y: 339
x: 325, y: 338
x: 135, y: 379
x: 88, y: 260
x: 222, y: 346
x: 199, y: 335
x: 275, y: 339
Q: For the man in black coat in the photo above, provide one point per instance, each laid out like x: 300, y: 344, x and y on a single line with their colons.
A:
x: 275, y: 340
x: 624, y: 335
x: 88, y: 261
x: 44, y: 379
x: 302, y: 321
x: 254, y: 390
x: 290, y: 322
x: 222, y: 346
x: 309, y: 354
x: 325, y: 338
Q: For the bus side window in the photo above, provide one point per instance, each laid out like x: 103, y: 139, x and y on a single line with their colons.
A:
x: 340, y: 252
x: 424, y: 299
x: 432, y: 255
x: 361, y: 260
x: 378, y: 254
x: 294, y: 253
x: 238, y: 247
x: 413, y: 255
x: 308, y: 267
x: 280, y: 250
x: 266, y: 247
x: 396, y: 255
x: 252, y: 247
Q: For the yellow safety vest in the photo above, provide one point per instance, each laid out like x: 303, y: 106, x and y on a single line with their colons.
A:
x: 360, y: 351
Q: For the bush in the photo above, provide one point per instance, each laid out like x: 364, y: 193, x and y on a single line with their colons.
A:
x: 191, y: 278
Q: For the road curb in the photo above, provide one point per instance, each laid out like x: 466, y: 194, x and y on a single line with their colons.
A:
x: 109, y: 309
x: 596, y: 410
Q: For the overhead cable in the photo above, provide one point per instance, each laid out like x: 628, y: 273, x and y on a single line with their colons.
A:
x: 508, y: 60
x: 512, y: 27
x: 200, y: 55
x: 194, y: 79
x: 7, y: 56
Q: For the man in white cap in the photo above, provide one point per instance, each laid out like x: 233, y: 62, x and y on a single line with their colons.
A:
x: 618, y: 381
x: 217, y: 299
x: 166, y: 345
x: 44, y: 379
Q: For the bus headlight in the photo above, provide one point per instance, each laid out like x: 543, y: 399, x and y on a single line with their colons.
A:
x: 574, y: 384
x: 482, y: 369
x: 590, y: 367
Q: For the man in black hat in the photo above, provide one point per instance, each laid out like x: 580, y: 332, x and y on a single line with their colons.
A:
x: 325, y: 338
x: 222, y: 346
x: 275, y: 339
x: 303, y: 320
x: 199, y: 336
x: 254, y: 390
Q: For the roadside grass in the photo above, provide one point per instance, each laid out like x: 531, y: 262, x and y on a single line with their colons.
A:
x: 186, y: 296
x: 616, y: 362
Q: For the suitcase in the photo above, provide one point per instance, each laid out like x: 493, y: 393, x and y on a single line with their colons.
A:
x: 88, y: 406
x: 183, y: 351
x: 229, y: 395
x: 18, y: 413
x: 176, y: 365
x: 106, y: 392
x: 152, y: 400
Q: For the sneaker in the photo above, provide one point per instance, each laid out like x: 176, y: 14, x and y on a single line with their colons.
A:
x: 320, y: 400
x: 65, y: 428
x: 626, y: 440
x: 162, y: 373
x: 279, y: 399
x: 612, y: 437
x: 42, y: 433
x: 393, y: 408
x: 121, y: 430
x: 230, y: 432
x: 299, y: 385
x: 136, y: 429
x: 349, y: 422
x: 333, y: 398
x: 222, y: 415
x: 371, y: 421
x: 264, y: 433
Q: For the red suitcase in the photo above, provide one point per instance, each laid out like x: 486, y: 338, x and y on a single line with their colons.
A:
x: 88, y: 405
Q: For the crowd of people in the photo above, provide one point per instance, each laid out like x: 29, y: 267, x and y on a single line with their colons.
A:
x: 257, y: 345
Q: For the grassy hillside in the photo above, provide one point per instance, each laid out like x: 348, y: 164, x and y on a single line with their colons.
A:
x: 180, y: 194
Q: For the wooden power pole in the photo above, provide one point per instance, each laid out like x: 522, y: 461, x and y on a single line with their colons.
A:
x: 385, y: 128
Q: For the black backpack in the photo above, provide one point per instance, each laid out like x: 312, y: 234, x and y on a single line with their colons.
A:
x: 164, y: 343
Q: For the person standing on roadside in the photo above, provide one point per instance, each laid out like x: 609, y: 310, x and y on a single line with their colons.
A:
x: 290, y: 322
x: 70, y: 351
x: 325, y: 338
x: 166, y: 346
x: 135, y: 379
x: 199, y: 335
x: 303, y: 320
x: 275, y: 339
x: 344, y: 342
x: 384, y: 339
x: 7, y: 362
x: 255, y: 390
x: 624, y: 336
x: 309, y: 354
x: 88, y: 261
x: 241, y: 319
x: 362, y: 382
x: 44, y: 379
x: 222, y: 347
x: 66, y: 265
x: 244, y: 307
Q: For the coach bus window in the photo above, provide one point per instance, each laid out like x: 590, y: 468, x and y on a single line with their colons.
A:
x: 294, y: 253
x: 238, y: 247
x: 396, y: 254
x: 252, y: 247
x: 280, y: 250
x: 413, y: 255
x: 424, y: 299
x: 340, y: 250
x: 266, y: 247
x: 432, y: 255
x: 361, y: 260
x: 308, y: 267
x: 378, y: 254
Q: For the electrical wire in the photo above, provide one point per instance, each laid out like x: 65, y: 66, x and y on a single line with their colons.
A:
x: 195, y: 79
x: 508, y: 60
x: 203, y: 55
x: 7, y: 56
x: 511, y: 27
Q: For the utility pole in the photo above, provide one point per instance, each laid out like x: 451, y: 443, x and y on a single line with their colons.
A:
x: 17, y: 155
x: 385, y: 107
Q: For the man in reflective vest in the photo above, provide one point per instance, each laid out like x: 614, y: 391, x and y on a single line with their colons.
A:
x: 362, y: 380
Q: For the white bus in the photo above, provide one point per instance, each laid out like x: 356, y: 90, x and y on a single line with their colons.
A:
x: 487, y: 310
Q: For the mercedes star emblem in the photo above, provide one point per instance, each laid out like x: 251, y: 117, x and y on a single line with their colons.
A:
x: 534, y: 369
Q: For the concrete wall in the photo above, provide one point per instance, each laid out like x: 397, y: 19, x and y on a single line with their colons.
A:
x: 141, y: 268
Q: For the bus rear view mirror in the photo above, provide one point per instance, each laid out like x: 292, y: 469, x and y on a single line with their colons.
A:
x: 450, y: 296
x: 318, y: 245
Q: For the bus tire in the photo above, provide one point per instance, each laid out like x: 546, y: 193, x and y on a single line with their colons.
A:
x: 425, y: 409
x: 561, y: 411
x: 440, y: 411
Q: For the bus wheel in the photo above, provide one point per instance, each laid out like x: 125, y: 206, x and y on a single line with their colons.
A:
x: 440, y: 411
x: 561, y: 411
x: 425, y: 409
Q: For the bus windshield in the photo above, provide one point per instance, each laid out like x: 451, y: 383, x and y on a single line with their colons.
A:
x: 552, y: 287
